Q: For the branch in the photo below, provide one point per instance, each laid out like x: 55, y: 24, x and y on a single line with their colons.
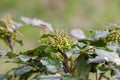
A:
x: 10, y: 43
x: 86, y: 50
x: 65, y: 61
x: 96, y: 75
x: 107, y: 78
x: 101, y: 76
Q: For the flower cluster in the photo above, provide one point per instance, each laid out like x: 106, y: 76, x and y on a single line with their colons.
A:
x: 60, y: 41
x: 9, y: 31
x: 7, y: 28
x: 114, y: 34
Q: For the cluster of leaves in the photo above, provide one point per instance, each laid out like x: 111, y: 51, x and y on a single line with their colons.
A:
x: 58, y: 57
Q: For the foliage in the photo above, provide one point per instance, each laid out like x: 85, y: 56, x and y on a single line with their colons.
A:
x: 9, y: 31
x: 61, y: 57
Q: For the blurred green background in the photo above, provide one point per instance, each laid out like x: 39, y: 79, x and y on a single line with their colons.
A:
x: 62, y: 14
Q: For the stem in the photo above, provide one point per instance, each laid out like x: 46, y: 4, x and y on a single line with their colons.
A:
x: 101, y: 76
x: 107, y: 78
x: 96, y: 75
x: 75, y: 65
x: 10, y: 43
x: 86, y: 50
x: 65, y: 62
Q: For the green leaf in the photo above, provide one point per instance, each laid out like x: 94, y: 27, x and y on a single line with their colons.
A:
x: 108, y: 56
x: 24, y: 58
x: 116, y: 74
x: 92, y: 42
x: 98, y: 43
x: 99, y: 34
x: 102, y: 69
x: 37, y: 23
x: 78, y: 33
x: 117, y: 78
x: 81, y: 45
x: 3, y: 52
x: 5, y: 77
x: 53, y: 65
x: 11, y: 55
x: 42, y: 47
x: 55, y: 77
x: 47, y: 77
x: 49, y: 49
x: 46, y: 35
x: 20, y: 42
x: 96, y: 60
x: 113, y: 46
x: 72, y: 51
x: 21, y: 70
x: 82, y: 69
x: 70, y: 78
x: 39, y: 51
